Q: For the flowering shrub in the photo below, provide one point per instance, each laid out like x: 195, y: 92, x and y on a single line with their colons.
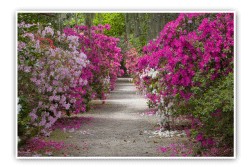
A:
x: 103, y: 53
x: 131, y: 58
x: 48, y: 75
x: 56, y: 77
x: 190, y: 54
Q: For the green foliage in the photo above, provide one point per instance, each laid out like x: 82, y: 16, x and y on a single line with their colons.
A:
x: 137, y: 42
x: 45, y: 19
x: 115, y: 20
x: 214, y: 107
x: 25, y: 129
x: 74, y: 19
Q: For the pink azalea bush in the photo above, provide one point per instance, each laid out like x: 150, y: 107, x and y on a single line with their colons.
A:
x: 103, y: 53
x: 131, y: 60
x: 59, y: 73
x: 48, y: 75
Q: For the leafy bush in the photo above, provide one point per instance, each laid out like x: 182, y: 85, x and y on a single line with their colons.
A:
x: 214, y: 108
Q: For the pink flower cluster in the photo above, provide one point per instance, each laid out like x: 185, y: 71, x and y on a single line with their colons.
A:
x: 131, y: 58
x: 193, y: 45
x: 177, y: 149
x: 67, y: 123
x: 190, y: 51
x: 205, y: 142
x: 36, y: 144
x: 54, y: 72
x: 103, y: 53
x: 190, y: 149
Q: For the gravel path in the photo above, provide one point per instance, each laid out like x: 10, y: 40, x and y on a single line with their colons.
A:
x: 118, y: 128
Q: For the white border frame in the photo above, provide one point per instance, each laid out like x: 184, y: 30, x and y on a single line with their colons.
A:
x: 130, y: 158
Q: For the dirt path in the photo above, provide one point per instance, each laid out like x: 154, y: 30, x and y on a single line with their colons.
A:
x: 118, y: 128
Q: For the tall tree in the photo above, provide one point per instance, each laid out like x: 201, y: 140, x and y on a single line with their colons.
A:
x: 89, y: 17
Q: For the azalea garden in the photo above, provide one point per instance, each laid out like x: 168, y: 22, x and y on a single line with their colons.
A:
x: 125, y: 84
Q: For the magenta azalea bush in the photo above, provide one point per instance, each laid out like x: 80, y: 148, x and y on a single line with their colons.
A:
x: 192, y: 56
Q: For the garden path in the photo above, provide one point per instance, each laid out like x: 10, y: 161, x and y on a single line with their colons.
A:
x: 118, y: 128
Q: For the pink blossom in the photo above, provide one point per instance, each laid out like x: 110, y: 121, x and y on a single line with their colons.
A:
x: 163, y: 149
